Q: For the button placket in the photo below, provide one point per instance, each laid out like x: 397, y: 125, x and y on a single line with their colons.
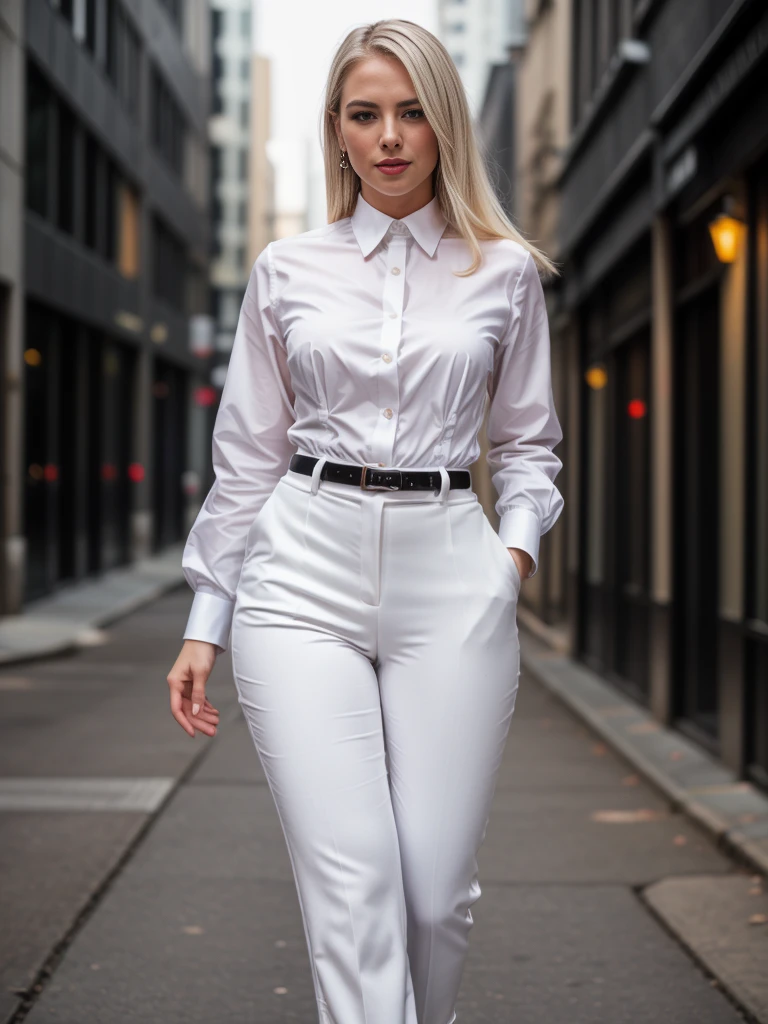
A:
x: 383, y: 440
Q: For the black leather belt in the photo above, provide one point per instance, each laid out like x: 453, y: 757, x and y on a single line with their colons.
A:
x: 372, y: 479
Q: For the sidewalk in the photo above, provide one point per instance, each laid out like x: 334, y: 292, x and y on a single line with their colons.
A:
x: 734, y: 812
x: 74, y: 616
x: 186, y: 910
x: 129, y: 851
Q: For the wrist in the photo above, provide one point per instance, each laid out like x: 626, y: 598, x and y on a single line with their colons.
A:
x: 523, y: 560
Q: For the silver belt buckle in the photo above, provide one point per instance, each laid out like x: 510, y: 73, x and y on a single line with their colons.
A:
x: 380, y: 487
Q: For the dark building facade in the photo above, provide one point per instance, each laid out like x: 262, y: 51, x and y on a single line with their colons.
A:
x: 664, y: 232
x: 115, y: 248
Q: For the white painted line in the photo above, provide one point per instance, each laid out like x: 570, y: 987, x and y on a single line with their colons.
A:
x: 83, y: 794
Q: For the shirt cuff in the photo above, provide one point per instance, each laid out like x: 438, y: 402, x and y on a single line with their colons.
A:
x: 519, y: 528
x: 210, y: 620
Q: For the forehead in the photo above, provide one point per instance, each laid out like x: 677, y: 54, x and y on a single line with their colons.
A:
x: 377, y: 78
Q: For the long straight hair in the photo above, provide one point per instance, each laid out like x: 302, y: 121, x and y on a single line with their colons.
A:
x: 461, y: 180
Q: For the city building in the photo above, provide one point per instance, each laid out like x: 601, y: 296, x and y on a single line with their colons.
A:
x: 642, y: 168
x: 105, y: 319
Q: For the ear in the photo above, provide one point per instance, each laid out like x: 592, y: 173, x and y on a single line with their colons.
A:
x: 337, y: 129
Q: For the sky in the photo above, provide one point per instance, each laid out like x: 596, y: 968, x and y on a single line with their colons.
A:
x: 300, y: 38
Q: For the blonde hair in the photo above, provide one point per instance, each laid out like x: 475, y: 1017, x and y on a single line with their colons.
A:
x: 461, y: 181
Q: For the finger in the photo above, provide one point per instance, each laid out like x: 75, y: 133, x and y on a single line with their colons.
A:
x: 178, y: 712
x: 198, y: 691
x: 203, y: 715
x: 209, y: 728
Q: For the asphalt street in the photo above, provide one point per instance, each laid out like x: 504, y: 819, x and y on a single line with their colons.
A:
x: 145, y: 876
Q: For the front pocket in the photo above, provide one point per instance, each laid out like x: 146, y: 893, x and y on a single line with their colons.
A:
x: 255, y: 522
x: 510, y: 565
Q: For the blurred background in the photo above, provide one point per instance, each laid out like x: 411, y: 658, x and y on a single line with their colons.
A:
x: 149, y: 150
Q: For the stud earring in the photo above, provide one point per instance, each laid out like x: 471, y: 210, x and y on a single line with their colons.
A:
x: 343, y: 163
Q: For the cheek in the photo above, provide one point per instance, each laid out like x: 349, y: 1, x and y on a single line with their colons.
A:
x: 425, y: 140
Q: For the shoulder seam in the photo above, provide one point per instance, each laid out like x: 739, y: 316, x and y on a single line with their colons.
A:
x: 514, y: 292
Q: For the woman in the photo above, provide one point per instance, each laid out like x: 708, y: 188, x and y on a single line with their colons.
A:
x: 372, y: 605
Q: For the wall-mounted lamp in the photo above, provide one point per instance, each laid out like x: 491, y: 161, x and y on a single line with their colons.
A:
x: 726, y: 230
x: 596, y: 377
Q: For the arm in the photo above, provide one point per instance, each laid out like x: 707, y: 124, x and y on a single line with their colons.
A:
x: 250, y: 451
x: 523, y: 427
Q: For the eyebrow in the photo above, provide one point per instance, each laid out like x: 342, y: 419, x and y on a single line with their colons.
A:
x: 375, y: 106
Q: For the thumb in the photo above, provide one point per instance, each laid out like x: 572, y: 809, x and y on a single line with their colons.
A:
x: 198, y: 690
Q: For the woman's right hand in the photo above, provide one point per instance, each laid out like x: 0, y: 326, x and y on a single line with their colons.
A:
x: 186, y: 681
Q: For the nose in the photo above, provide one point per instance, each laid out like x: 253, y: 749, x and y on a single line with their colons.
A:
x: 390, y: 135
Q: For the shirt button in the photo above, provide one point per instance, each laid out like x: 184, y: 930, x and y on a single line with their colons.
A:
x: 386, y: 357
x: 381, y: 463
x: 388, y: 413
x: 393, y: 316
x: 395, y: 270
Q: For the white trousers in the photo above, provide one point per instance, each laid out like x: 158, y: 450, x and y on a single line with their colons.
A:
x: 376, y: 658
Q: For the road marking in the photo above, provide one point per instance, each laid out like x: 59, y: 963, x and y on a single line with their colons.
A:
x: 83, y: 794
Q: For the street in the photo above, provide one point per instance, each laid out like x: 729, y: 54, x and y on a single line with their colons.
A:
x: 172, y: 899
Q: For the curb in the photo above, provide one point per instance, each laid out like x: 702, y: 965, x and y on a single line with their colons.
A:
x: 73, y: 618
x: 733, y: 811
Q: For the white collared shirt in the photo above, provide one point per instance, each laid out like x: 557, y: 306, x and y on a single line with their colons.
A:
x: 355, y: 341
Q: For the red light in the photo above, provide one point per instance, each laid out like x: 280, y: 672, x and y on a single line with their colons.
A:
x: 637, y: 409
x: 51, y: 472
x: 108, y: 471
x: 136, y: 472
x: 205, y: 395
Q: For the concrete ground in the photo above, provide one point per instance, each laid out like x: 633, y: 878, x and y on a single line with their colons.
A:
x: 145, y: 876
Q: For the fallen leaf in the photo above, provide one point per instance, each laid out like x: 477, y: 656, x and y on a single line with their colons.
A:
x: 622, y: 817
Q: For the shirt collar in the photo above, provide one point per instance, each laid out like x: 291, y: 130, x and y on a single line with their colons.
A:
x: 369, y: 225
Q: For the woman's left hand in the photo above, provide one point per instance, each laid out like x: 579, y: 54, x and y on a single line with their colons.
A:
x: 523, y: 561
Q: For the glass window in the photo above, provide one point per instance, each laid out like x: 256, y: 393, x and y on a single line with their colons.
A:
x: 90, y: 192
x: 66, y: 168
x: 37, y: 155
x: 128, y: 253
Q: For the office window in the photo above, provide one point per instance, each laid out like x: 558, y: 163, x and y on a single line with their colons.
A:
x: 123, y: 55
x: 174, y: 10
x: 112, y: 179
x: 169, y: 265
x: 243, y: 164
x: 168, y: 124
x: 245, y: 23
x: 128, y: 239
x: 38, y: 144
x: 65, y: 219
x: 90, y: 192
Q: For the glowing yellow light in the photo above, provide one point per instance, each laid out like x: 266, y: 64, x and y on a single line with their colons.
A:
x: 726, y: 232
x: 32, y: 357
x: 596, y: 377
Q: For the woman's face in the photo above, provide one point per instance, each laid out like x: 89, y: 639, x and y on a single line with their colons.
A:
x: 380, y: 119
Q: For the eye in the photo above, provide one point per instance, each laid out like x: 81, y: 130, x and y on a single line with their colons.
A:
x: 366, y: 114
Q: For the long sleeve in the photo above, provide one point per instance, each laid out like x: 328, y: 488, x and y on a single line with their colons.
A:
x: 523, y: 427
x: 250, y: 451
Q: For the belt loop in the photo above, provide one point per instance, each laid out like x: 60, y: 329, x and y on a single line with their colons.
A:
x: 445, y: 486
x: 316, y: 471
